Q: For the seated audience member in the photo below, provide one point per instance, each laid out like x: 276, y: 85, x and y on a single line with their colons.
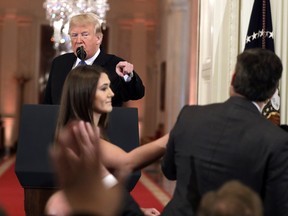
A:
x: 212, y: 144
x: 87, y: 96
x: 232, y: 199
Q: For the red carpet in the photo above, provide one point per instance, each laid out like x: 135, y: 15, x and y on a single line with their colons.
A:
x: 149, y: 194
x: 12, y: 193
x: 145, y: 198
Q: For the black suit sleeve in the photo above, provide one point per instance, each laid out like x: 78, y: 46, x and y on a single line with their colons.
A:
x: 134, y: 89
x: 130, y: 206
x: 275, y: 191
x: 48, y: 96
x: 124, y: 91
x: 168, y: 165
x: 60, y: 68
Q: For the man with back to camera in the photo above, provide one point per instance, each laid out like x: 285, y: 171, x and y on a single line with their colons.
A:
x: 86, y: 35
x: 212, y: 144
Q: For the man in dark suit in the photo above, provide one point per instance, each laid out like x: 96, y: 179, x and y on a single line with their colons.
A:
x: 210, y: 145
x: 85, y: 31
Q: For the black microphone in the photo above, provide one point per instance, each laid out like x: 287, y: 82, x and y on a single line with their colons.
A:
x: 81, y: 54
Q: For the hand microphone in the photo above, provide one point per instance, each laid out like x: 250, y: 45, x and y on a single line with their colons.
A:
x: 81, y: 54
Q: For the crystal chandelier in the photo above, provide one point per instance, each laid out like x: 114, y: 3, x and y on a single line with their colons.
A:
x: 60, y: 11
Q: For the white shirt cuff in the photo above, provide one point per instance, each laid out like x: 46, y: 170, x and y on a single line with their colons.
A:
x: 128, y: 77
x: 109, y: 181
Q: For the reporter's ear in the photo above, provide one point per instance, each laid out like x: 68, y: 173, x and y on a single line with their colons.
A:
x: 231, y: 88
x: 233, y: 79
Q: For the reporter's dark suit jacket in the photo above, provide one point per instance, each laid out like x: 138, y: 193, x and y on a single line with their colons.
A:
x: 123, y: 91
x: 212, y: 144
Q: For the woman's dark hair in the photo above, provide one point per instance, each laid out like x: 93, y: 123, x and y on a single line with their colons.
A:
x: 257, y: 74
x: 78, y: 96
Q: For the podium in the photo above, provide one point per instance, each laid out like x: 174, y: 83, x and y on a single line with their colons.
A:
x: 33, y: 167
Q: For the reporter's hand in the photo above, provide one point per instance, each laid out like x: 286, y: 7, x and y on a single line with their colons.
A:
x: 76, y: 158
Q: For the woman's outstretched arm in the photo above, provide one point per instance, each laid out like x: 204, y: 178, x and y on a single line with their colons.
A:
x: 116, y: 158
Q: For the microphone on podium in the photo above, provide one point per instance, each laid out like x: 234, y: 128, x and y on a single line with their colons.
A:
x: 81, y: 53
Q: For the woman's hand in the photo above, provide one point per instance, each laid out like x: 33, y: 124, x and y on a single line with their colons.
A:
x: 150, y: 211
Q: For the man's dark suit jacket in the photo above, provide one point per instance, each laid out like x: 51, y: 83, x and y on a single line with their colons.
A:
x: 123, y: 91
x: 210, y: 145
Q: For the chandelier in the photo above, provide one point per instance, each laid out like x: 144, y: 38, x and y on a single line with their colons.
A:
x: 58, y: 12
